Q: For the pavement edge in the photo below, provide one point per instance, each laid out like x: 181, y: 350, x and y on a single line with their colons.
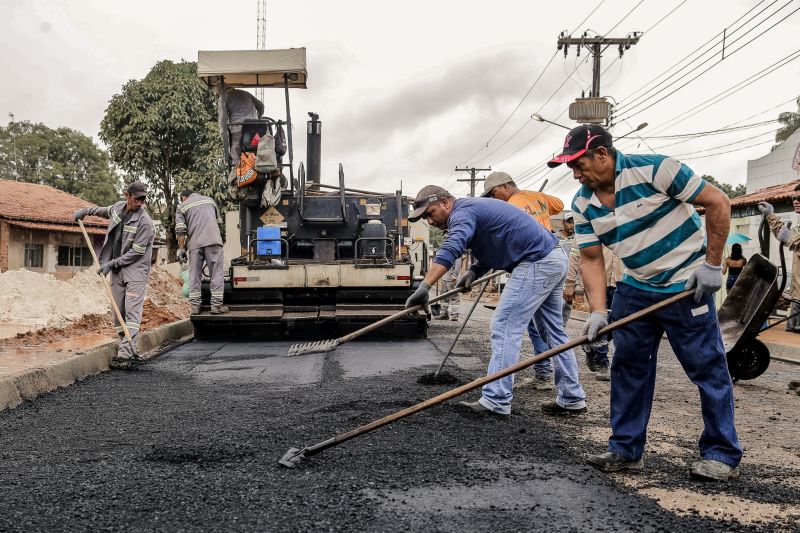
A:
x: 33, y: 382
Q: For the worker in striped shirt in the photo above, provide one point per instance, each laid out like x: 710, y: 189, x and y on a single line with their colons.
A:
x: 640, y: 207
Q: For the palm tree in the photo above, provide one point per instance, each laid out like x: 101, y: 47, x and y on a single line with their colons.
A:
x: 791, y: 123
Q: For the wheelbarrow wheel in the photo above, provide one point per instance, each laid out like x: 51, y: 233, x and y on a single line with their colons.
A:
x: 748, y: 360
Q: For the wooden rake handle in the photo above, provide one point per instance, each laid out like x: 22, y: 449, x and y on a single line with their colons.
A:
x: 107, y: 286
x: 404, y: 312
x: 480, y: 382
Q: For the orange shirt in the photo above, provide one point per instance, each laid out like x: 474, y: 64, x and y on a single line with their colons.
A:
x: 538, y: 205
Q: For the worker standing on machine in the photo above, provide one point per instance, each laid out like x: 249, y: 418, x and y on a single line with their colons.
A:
x: 504, y: 237
x: 126, y: 253
x: 197, y: 220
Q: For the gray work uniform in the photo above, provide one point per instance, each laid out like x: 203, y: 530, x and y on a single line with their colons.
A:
x: 131, y: 266
x: 236, y: 106
x: 198, y: 218
x: 451, y: 305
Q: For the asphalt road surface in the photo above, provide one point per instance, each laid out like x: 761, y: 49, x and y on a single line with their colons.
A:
x: 190, y: 442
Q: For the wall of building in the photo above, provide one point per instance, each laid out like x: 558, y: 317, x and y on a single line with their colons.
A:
x: 777, y: 167
x: 4, y: 238
x: 18, y: 237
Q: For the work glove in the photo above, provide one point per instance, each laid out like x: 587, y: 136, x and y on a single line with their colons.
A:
x: 80, y: 213
x: 465, y: 282
x: 105, y: 268
x: 765, y: 208
x: 597, y: 321
x: 183, y: 256
x: 420, y: 297
x: 707, y: 279
x: 784, y: 235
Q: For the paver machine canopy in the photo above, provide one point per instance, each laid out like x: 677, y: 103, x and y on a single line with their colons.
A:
x: 315, y: 259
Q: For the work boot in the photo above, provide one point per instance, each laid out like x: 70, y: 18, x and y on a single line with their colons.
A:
x: 126, y: 363
x: 603, y: 373
x: 553, y: 409
x: 710, y: 470
x: 454, y: 318
x: 219, y: 309
x: 195, y: 310
x: 794, y: 385
x: 614, y: 462
x: 478, y: 408
x: 535, y: 383
x: 442, y: 316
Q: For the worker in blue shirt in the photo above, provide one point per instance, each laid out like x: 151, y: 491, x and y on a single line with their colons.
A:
x: 503, y: 237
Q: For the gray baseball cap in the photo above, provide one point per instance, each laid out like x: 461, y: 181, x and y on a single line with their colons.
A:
x: 137, y: 189
x: 425, y: 197
x: 493, y: 180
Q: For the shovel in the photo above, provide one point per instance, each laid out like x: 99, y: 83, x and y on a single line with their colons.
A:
x: 331, y: 344
x: 295, y: 455
x: 108, y: 291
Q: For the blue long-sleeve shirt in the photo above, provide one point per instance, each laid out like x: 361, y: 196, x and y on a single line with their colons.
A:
x: 500, y: 235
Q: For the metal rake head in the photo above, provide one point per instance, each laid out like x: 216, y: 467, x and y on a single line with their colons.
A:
x: 313, y: 347
x: 292, y: 457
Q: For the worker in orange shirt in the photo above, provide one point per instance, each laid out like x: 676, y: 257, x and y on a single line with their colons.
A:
x: 540, y: 206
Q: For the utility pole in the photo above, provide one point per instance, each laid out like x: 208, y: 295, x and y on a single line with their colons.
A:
x: 261, y: 36
x: 472, y: 179
x: 596, y: 46
x: 14, y: 143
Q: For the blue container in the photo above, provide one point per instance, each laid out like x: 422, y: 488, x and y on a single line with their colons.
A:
x: 272, y: 246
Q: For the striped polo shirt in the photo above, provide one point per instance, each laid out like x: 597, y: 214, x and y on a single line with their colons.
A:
x: 653, y: 228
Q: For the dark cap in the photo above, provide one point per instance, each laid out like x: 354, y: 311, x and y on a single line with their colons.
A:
x: 579, y: 140
x: 137, y: 189
x: 425, y: 197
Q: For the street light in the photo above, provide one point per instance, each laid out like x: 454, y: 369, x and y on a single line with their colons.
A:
x: 540, y: 118
x: 640, y: 127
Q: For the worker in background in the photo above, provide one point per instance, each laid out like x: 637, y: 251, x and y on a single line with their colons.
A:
x: 791, y: 240
x: 541, y: 207
x: 126, y: 254
x: 503, y: 237
x: 597, y: 352
x: 566, y: 238
x: 197, y: 221
x: 234, y: 106
x: 641, y: 207
x: 450, y: 306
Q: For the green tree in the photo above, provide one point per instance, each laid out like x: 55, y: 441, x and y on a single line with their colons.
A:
x: 790, y: 121
x: 436, y: 236
x: 732, y: 192
x: 162, y: 129
x: 62, y: 158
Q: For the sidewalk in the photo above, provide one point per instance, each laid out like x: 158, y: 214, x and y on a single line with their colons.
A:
x: 783, y: 345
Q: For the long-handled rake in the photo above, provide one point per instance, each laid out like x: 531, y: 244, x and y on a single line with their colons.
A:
x: 331, y: 344
x: 295, y: 455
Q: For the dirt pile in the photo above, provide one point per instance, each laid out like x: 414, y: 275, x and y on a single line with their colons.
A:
x: 57, y: 310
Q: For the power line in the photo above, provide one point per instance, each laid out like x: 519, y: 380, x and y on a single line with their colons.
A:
x: 684, y: 155
x: 711, y: 132
x: 730, y: 151
x: 628, y: 109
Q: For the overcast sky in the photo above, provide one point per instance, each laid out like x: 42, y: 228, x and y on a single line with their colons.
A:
x: 408, y: 90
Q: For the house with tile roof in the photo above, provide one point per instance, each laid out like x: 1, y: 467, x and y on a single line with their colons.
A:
x: 38, y: 231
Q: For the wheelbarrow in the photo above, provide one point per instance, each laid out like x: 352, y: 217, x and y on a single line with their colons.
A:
x: 744, y: 312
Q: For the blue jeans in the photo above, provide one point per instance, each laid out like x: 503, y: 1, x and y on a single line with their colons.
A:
x: 599, y: 353
x: 693, y: 334
x: 544, y: 369
x: 534, y: 291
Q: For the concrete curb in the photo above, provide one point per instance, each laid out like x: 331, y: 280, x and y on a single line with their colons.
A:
x: 36, y: 381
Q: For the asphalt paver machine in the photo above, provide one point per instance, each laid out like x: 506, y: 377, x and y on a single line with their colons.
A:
x: 316, y: 259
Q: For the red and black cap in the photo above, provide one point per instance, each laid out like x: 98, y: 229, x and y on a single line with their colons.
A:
x: 579, y: 140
